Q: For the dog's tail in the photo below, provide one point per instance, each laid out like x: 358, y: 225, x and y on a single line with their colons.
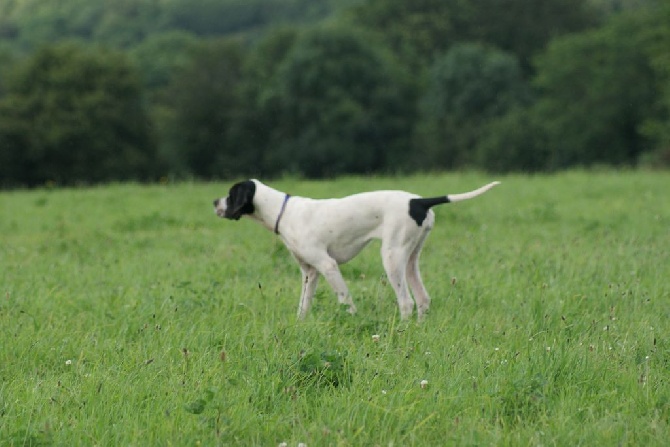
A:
x: 471, y: 194
x: 418, y: 208
x: 429, y: 202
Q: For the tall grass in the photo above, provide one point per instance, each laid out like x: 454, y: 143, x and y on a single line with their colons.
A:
x: 130, y: 315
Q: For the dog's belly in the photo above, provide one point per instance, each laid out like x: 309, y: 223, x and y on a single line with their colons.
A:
x: 344, y: 251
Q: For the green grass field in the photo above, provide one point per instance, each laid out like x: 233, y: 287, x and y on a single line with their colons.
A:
x: 131, y: 315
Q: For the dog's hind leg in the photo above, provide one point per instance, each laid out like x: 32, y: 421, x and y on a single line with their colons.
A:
x: 415, y: 282
x: 395, y: 263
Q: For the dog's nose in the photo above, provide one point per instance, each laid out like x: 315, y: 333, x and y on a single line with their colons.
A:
x: 216, y: 203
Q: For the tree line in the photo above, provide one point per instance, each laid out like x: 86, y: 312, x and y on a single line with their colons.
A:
x: 137, y: 90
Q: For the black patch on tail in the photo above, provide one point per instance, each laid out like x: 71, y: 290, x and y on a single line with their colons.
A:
x: 418, y: 208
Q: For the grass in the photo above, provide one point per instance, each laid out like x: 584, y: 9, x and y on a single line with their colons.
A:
x: 130, y: 315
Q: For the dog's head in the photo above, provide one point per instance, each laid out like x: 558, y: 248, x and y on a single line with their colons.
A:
x: 240, y: 201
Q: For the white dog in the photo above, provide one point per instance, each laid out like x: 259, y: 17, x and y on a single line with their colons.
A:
x: 320, y: 234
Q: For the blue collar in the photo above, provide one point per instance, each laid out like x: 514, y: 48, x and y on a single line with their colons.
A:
x: 281, y: 213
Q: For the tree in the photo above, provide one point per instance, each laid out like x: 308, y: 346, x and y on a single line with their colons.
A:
x: 421, y: 30
x: 161, y: 55
x: 125, y: 23
x: 514, y: 142
x: 224, y: 17
x: 657, y: 126
x: 205, y: 98
x: 74, y: 114
x: 597, y: 89
x: 525, y: 27
x: 7, y: 60
x: 616, y: 6
x: 342, y: 104
x: 415, y: 30
x: 468, y: 87
x: 37, y: 22
x: 256, y: 120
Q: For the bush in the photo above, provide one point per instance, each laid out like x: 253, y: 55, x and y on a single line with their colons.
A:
x: 74, y: 114
x: 598, y: 92
x: 205, y: 99
x: 341, y: 105
x: 514, y: 142
x: 468, y: 87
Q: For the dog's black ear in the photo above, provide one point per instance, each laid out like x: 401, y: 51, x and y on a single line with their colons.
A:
x: 240, y: 200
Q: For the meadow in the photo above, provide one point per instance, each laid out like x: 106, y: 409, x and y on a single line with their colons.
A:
x: 131, y: 315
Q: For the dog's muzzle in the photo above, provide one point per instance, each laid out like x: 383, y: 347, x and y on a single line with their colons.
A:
x: 220, y: 207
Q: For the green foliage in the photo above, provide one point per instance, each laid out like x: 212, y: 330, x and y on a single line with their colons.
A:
x: 260, y: 116
x: 205, y: 99
x: 131, y: 315
x: 322, y: 88
x: 162, y: 55
x: 341, y: 104
x: 420, y: 31
x: 598, y: 102
x: 657, y: 127
x: 416, y: 31
x: 216, y: 17
x: 126, y: 23
x: 35, y: 22
x: 616, y: 6
x: 516, y: 141
x: 468, y: 87
x: 198, y: 405
x: 597, y: 90
x: 524, y: 27
x: 7, y: 60
x: 328, y: 368
x: 74, y: 115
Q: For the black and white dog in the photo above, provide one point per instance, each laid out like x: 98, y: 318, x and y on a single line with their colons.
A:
x: 324, y: 233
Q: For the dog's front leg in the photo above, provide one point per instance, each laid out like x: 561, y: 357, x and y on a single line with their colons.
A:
x: 310, y: 277
x: 329, y: 269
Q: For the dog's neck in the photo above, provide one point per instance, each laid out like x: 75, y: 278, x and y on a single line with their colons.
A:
x: 268, y: 203
x: 281, y: 213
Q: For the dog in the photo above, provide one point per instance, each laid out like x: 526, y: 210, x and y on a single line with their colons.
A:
x: 321, y: 234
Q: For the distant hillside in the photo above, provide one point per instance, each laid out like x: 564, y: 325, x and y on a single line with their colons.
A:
x: 26, y: 24
x: 124, y: 23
